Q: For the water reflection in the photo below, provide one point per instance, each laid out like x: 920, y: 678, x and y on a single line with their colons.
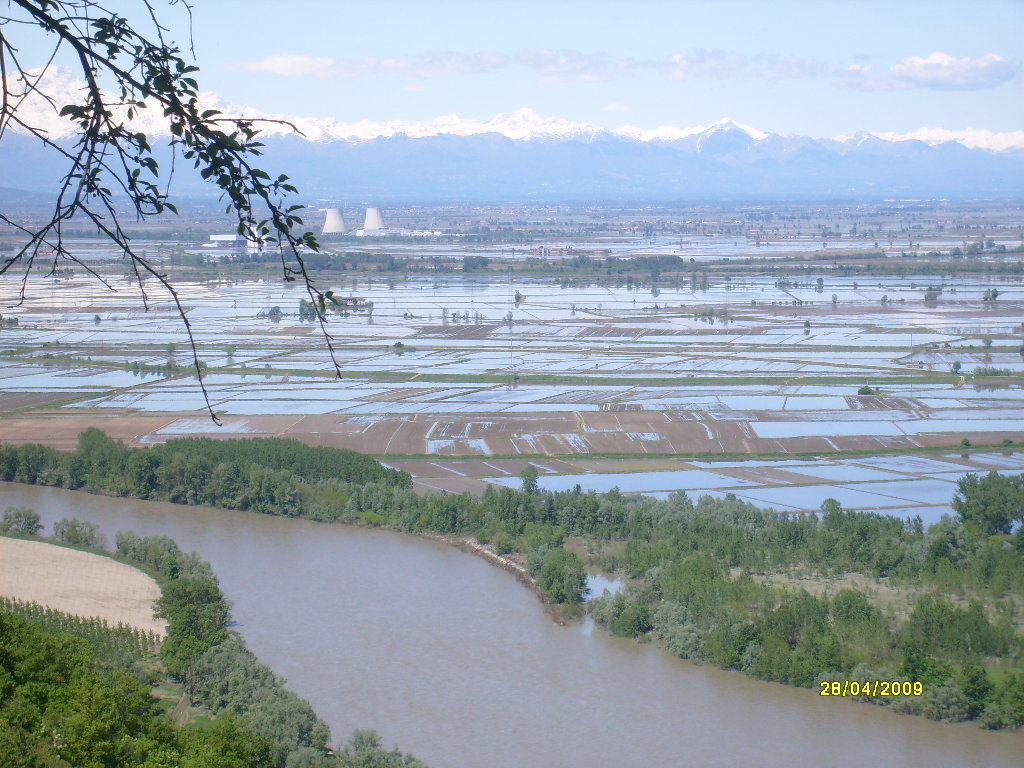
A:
x: 598, y: 584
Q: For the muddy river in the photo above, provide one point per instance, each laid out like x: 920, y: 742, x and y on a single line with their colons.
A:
x: 455, y: 661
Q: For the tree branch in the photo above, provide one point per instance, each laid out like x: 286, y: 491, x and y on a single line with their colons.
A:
x: 148, y: 73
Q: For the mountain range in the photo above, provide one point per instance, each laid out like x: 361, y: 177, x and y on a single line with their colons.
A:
x: 521, y: 156
x: 724, y: 161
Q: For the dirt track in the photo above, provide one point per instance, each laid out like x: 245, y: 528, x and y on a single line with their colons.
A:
x: 78, y: 582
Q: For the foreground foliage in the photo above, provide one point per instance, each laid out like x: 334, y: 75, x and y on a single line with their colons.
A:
x: 120, y: 645
x: 61, y: 707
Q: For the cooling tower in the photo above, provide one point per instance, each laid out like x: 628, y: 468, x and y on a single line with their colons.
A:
x: 373, y: 220
x: 333, y: 224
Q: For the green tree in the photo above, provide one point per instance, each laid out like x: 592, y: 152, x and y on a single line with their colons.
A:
x: 62, y: 706
x: 20, y: 521
x: 92, y: 716
x: 225, y: 744
x: 562, y: 577
x: 976, y: 687
x: 77, y: 533
x: 1006, y: 709
x: 831, y: 507
x: 990, y: 504
x: 529, y: 478
x: 197, y: 615
x: 229, y: 678
x: 365, y: 750
x: 100, y: 454
x: 140, y: 474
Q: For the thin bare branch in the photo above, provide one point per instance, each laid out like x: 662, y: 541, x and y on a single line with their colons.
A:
x: 149, y: 73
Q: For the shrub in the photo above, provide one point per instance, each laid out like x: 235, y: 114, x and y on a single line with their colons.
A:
x: 77, y: 533
x: 20, y: 521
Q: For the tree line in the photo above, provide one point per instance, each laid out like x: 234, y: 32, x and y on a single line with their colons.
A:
x: 63, y: 707
x: 216, y: 667
x: 286, y: 477
x: 118, y: 645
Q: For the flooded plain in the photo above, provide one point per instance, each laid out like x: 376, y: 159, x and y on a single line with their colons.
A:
x: 498, y: 367
x: 901, y: 486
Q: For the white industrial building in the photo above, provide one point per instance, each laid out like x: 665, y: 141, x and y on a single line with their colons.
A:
x: 231, y: 241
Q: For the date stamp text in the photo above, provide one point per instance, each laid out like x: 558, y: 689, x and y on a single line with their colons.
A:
x: 871, y: 688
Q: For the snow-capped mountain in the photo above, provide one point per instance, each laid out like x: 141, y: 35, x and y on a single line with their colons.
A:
x: 523, y: 155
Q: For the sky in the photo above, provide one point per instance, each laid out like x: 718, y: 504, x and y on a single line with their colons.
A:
x: 812, y: 67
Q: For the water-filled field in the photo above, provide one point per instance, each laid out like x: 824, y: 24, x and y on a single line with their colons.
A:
x: 503, y: 366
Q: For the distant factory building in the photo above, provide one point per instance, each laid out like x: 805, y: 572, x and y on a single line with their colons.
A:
x: 231, y: 241
x: 334, y: 224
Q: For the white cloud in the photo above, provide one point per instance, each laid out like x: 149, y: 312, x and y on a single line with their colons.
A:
x: 553, y: 66
x: 706, y: 65
x: 565, y: 65
x: 616, y: 106
x: 424, y: 64
x: 942, y: 71
x: 290, y: 64
x: 774, y: 68
x: 975, y: 138
x: 937, y: 71
x: 721, y: 65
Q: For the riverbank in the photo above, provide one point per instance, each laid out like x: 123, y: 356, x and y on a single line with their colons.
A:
x: 199, y: 671
x: 511, y: 564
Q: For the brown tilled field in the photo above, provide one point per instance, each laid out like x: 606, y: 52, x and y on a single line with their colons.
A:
x: 565, y: 433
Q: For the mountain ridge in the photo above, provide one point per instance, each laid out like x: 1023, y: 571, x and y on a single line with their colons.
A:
x: 521, y: 155
x: 523, y: 123
x: 490, y: 167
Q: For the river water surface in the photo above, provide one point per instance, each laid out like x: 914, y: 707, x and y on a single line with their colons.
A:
x: 453, y: 660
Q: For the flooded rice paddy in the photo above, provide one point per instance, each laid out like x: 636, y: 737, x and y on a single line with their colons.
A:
x: 455, y: 366
x: 901, y: 486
